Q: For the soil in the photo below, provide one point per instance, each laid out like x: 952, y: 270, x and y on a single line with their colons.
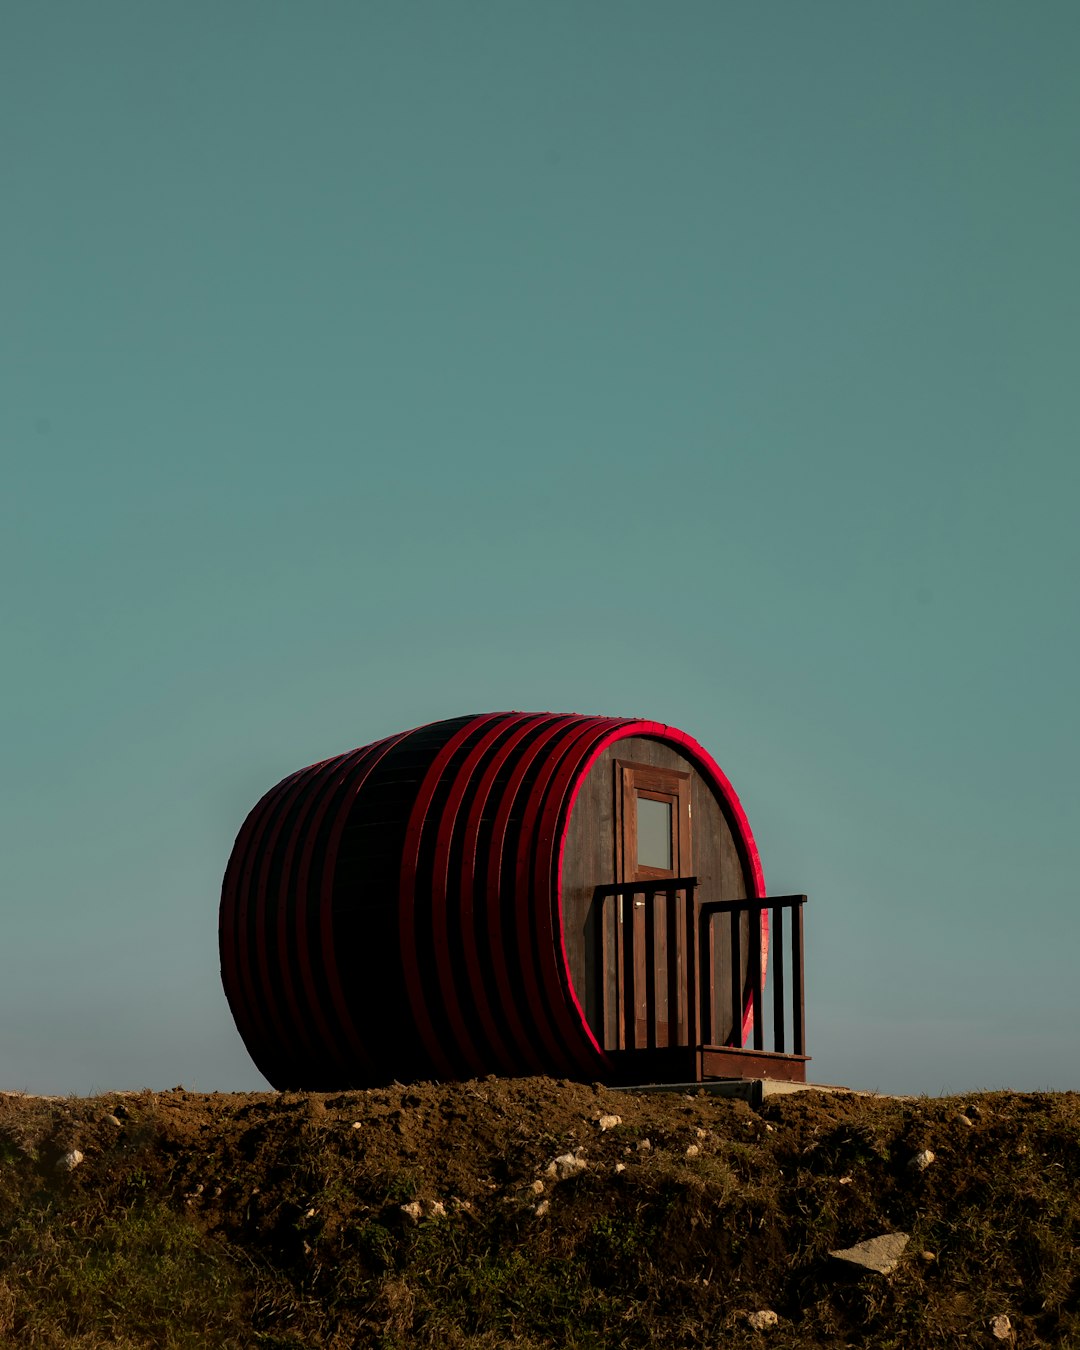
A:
x: 513, y: 1212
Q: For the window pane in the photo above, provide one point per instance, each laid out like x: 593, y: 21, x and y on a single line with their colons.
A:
x: 653, y: 833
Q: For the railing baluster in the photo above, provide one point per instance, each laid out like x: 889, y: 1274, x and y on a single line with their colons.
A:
x: 693, y: 1011
x: 600, y: 967
x: 736, y: 979
x: 776, y: 942
x: 798, y: 1008
x: 629, y: 973
x: 651, y: 1009
x: 703, y: 929
x: 755, y: 978
x: 672, y: 945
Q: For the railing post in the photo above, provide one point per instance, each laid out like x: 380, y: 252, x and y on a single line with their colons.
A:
x: 693, y: 1031
x: 776, y: 942
x: 629, y: 999
x: 736, y: 979
x: 672, y: 945
x: 648, y: 918
x: 600, y: 966
x: 798, y: 1008
x: 703, y: 933
x: 755, y: 977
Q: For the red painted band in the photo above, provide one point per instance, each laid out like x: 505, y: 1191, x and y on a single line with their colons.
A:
x: 534, y: 881
x: 728, y: 796
x: 266, y: 848
x: 533, y: 752
x: 295, y: 885
x: 248, y: 1022
x: 547, y: 883
x: 368, y: 758
x: 448, y: 822
x: 476, y: 913
x: 407, y: 896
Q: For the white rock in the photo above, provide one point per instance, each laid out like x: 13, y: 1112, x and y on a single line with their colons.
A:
x: 542, y: 1208
x: 310, y: 1214
x: 414, y: 1210
x: 692, y: 1150
x: 966, y: 1120
x: 620, y: 1167
x: 70, y: 1160
x: 565, y: 1165
x: 644, y: 1145
x: 435, y: 1209
x: 764, y: 1320
x: 358, y: 1124
x: 922, y: 1161
x: 1001, y: 1328
x: 537, y: 1187
x: 879, y: 1254
x: 844, y: 1181
x: 609, y: 1122
x: 114, y: 1120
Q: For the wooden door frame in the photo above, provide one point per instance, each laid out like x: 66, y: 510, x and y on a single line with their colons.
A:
x: 631, y: 780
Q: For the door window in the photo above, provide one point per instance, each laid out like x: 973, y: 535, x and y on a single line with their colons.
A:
x: 654, y: 826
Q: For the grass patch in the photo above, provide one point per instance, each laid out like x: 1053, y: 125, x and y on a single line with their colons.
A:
x: 274, y: 1221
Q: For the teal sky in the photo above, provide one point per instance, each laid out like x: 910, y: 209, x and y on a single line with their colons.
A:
x: 366, y: 364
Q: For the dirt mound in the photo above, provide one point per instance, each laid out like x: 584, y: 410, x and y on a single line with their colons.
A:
x: 522, y: 1212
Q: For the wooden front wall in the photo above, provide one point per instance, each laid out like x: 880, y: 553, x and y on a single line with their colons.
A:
x: 591, y: 859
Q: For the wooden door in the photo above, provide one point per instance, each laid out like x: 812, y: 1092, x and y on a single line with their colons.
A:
x: 653, y: 842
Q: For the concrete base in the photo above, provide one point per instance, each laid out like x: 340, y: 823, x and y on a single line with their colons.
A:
x: 752, y: 1090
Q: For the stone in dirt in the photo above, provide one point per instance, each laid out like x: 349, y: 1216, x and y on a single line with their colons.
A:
x: 70, y: 1160
x: 764, y: 1320
x: 423, y: 1209
x: 1001, y: 1328
x: 566, y: 1165
x: 879, y: 1254
x: 922, y: 1160
x: 609, y: 1122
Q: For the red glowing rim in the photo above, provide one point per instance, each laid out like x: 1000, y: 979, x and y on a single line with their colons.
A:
x: 739, y: 821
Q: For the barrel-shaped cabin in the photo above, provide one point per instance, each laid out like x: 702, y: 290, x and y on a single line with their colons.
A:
x: 509, y: 893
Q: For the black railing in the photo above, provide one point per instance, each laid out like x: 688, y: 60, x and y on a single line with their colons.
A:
x: 633, y: 957
x: 686, y: 976
x: 753, y: 909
